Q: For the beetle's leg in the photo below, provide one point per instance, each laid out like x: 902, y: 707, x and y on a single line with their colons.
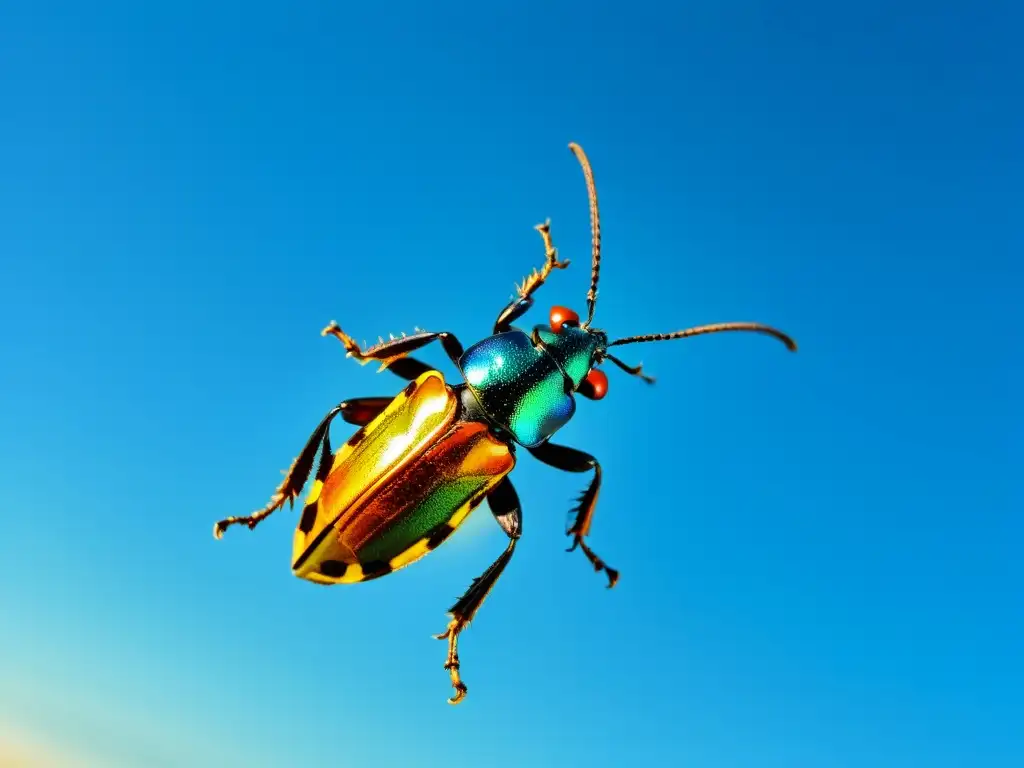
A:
x: 504, y: 504
x: 362, y: 410
x: 632, y: 370
x: 392, y: 354
x: 571, y: 460
x: 519, y: 305
x: 296, y: 476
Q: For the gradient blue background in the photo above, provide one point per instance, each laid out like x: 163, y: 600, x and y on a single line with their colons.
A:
x: 820, y: 552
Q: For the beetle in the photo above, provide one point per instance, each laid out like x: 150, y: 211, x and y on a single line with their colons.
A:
x: 420, y: 462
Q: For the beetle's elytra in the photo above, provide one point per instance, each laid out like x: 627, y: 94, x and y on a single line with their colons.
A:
x: 420, y: 462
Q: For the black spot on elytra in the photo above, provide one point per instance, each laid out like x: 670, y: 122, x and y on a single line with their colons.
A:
x: 333, y: 569
x: 376, y: 569
x: 308, y: 518
x: 440, y: 533
x: 409, y: 388
x: 357, y: 437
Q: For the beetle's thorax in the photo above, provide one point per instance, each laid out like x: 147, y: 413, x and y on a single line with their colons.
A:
x: 525, y: 383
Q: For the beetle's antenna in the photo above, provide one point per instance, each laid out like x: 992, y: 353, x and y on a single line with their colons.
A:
x: 595, y: 230
x: 713, y: 328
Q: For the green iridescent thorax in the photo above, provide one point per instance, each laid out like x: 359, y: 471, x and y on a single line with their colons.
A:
x: 573, y: 348
x: 520, y: 386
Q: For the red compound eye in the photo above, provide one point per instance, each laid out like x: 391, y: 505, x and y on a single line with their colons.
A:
x: 598, y: 383
x: 561, y: 316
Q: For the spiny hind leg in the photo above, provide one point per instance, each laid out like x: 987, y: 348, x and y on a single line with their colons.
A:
x: 571, y: 460
x: 362, y: 410
x: 504, y: 504
x: 294, y: 479
x: 393, y: 354
x: 524, y: 300
x: 359, y: 411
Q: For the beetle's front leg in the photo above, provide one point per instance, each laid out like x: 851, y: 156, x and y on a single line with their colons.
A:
x: 393, y: 354
x: 571, y: 460
x: 519, y: 305
x: 504, y: 504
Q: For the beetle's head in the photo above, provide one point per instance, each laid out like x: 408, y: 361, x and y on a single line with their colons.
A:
x: 579, y: 348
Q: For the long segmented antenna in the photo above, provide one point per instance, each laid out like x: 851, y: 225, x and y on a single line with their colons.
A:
x: 595, y: 230
x: 713, y: 328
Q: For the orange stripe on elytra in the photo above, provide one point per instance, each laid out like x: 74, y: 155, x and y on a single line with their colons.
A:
x: 466, y: 452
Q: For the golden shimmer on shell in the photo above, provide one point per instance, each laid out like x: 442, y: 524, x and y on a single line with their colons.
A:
x: 413, y: 421
x: 353, y: 574
x: 412, y: 472
x: 456, y: 471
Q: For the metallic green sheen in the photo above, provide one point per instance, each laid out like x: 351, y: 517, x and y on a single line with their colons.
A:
x: 573, y: 348
x: 437, y: 508
x: 520, y: 387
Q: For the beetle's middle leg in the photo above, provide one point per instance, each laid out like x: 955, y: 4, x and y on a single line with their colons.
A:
x: 360, y: 411
x: 504, y: 504
x: 521, y: 303
x: 571, y: 460
x: 392, y: 354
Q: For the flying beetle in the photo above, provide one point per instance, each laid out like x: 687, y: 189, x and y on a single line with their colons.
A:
x: 420, y: 462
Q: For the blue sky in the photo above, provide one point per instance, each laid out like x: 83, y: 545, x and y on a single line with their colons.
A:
x: 820, y: 552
